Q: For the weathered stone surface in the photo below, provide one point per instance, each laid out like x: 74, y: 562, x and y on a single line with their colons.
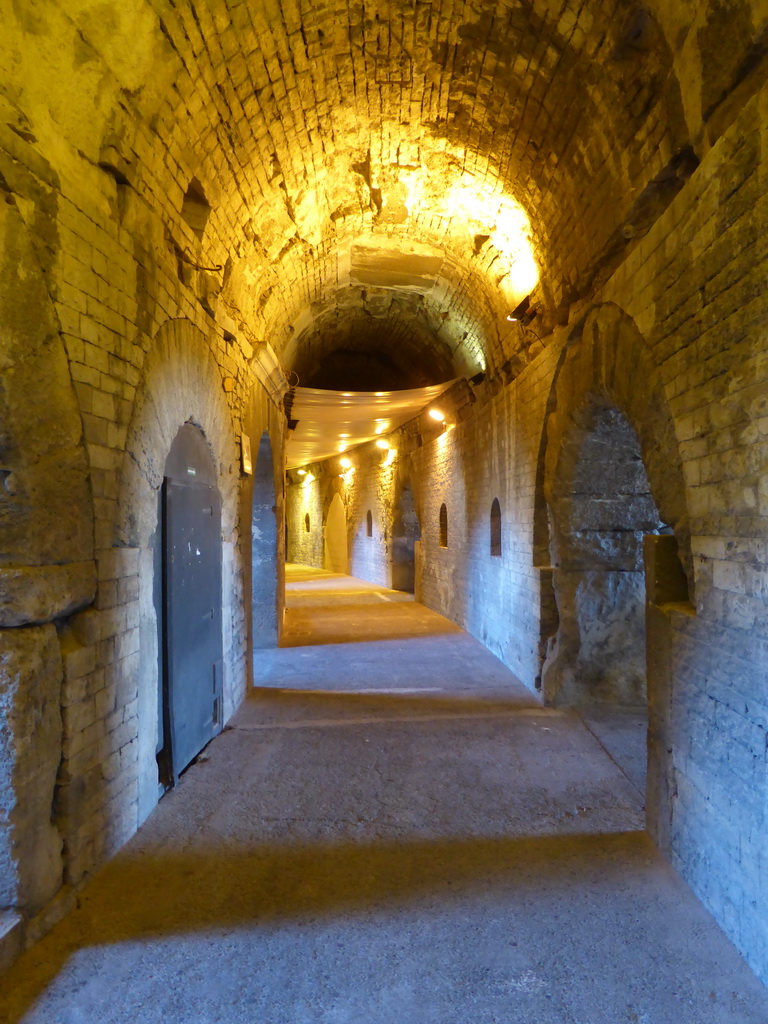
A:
x: 36, y: 594
x: 363, y: 173
x: 599, y: 654
x: 30, y: 751
x: 45, y: 503
x: 264, y: 577
x: 596, y: 549
x: 11, y: 937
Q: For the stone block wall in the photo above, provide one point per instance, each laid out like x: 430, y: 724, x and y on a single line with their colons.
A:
x: 377, y: 492
x: 30, y: 732
x: 305, y: 516
x: 180, y: 189
x: 112, y: 339
x: 693, y: 383
x: 695, y: 289
x: 496, y: 598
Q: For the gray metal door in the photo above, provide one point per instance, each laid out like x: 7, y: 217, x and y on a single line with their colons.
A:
x: 193, y: 618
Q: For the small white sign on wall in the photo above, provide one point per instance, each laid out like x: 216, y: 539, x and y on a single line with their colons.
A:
x: 245, y: 454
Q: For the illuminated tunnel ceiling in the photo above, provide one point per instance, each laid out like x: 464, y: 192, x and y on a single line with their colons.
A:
x: 387, y: 180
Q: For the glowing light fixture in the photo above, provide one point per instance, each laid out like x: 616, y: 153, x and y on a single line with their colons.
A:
x: 438, y: 415
x: 301, y: 472
x: 522, y: 313
x: 345, y: 462
x: 381, y: 443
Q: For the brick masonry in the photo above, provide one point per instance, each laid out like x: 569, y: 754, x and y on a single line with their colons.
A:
x: 694, y: 387
x: 324, y: 144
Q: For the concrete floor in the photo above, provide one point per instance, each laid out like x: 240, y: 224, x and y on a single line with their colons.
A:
x: 398, y: 834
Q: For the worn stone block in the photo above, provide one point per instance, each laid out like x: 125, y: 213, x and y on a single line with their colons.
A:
x: 36, y: 594
x: 30, y: 750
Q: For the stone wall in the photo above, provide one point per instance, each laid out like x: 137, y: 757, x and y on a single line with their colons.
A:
x: 110, y: 343
x: 686, y: 363
x: 305, y: 516
x: 695, y: 289
x: 187, y: 189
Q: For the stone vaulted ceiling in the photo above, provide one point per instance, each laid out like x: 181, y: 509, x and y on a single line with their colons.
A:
x: 385, y: 180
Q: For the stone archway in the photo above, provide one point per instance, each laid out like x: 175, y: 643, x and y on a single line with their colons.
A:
x: 601, y: 509
x: 180, y: 384
x: 336, y: 556
x: 606, y: 380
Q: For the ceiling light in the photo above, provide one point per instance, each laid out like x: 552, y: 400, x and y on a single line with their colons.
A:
x: 436, y: 414
x: 301, y: 472
x: 520, y: 312
x: 381, y: 443
x: 345, y: 462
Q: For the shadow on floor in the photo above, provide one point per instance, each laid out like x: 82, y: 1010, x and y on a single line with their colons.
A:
x: 270, y: 705
x: 221, y: 887
x: 355, y: 622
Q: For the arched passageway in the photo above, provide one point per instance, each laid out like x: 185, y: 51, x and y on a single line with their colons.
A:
x: 384, y: 199
x: 336, y: 553
x: 191, y: 643
x: 610, y: 474
x: 602, y: 510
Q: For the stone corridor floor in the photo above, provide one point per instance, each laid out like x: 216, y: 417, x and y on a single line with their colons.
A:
x: 391, y: 830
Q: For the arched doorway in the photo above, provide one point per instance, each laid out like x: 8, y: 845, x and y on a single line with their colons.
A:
x: 405, y: 533
x: 264, y: 549
x: 606, y: 373
x: 601, y: 510
x: 191, y: 604
x: 336, y: 556
x: 610, y: 473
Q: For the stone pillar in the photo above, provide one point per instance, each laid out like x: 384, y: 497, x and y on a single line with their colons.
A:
x: 666, y: 592
x: 30, y: 744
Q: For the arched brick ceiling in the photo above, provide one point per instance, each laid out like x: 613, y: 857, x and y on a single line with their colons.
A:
x: 331, y: 140
x: 339, y: 127
x: 326, y: 125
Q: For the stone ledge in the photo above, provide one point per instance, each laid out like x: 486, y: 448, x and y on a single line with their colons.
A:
x: 62, y: 904
x: 11, y: 938
x: 17, y: 933
x: 33, y: 595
